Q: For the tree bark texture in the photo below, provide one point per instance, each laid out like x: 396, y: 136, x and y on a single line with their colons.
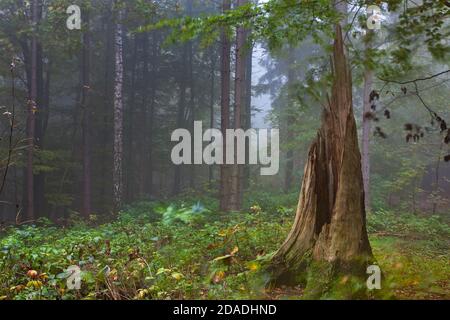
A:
x: 235, y: 200
x: 328, y: 237
x: 290, y: 122
x: 118, y: 117
x: 86, y: 126
x: 366, y: 127
x: 225, y: 110
x: 32, y: 108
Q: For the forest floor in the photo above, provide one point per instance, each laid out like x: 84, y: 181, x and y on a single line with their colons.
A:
x: 184, y: 250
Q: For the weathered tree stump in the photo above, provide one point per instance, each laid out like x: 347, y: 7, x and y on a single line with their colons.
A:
x: 327, y: 248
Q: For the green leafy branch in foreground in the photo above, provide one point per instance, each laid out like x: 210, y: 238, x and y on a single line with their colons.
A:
x: 273, y: 21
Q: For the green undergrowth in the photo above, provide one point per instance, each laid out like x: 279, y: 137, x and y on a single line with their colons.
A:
x: 187, y: 250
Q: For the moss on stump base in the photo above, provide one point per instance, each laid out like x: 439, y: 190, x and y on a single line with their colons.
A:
x: 327, y: 248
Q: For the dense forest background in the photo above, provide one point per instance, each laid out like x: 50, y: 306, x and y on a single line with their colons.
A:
x: 167, y: 86
x: 87, y: 114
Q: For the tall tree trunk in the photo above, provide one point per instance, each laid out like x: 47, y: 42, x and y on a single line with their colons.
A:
x: 225, y: 110
x: 328, y: 239
x: 191, y: 105
x: 105, y: 131
x: 151, y: 118
x: 86, y: 127
x: 435, y: 185
x: 235, y: 200
x: 142, y: 120
x: 181, y: 114
x: 32, y: 107
x: 130, y: 162
x: 39, y: 129
x: 366, y: 124
x: 118, y: 115
x: 247, y: 114
x: 368, y: 80
x: 290, y: 122
x: 211, y: 106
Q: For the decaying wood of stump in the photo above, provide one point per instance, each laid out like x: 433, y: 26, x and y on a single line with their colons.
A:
x: 330, y: 226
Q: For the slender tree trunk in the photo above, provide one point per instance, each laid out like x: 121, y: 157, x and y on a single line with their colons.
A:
x: 146, y: 114
x: 365, y: 145
x: 436, y: 181
x: 86, y: 127
x: 247, y: 115
x: 118, y: 115
x: 225, y: 110
x: 46, y: 99
x: 39, y: 129
x: 235, y: 200
x: 149, y: 147
x: 39, y: 120
x: 181, y: 114
x: 366, y: 123
x: 186, y: 111
x: 32, y: 107
x: 191, y: 112
x: 328, y: 247
x: 211, y: 106
x: 289, y: 123
x: 191, y: 105
x: 130, y: 162
x: 151, y: 119
x: 413, y: 195
x: 142, y: 119
x: 105, y: 131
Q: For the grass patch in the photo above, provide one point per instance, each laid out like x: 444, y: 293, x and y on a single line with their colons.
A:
x: 187, y: 251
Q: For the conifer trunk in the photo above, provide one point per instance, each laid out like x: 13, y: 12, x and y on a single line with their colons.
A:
x: 118, y: 116
x: 235, y: 200
x: 225, y: 110
x: 31, y: 118
x: 86, y: 122
x: 366, y: 126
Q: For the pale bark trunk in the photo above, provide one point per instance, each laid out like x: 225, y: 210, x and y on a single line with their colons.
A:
x: 32, y: 107
x: 235, y: 200
x: 247, y: 115
x: 118, y: 117
x: 130, y: 152
x: 86, y: 127
x: 289, y: 123
x: 366, y: 127
x: 329, y: 235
